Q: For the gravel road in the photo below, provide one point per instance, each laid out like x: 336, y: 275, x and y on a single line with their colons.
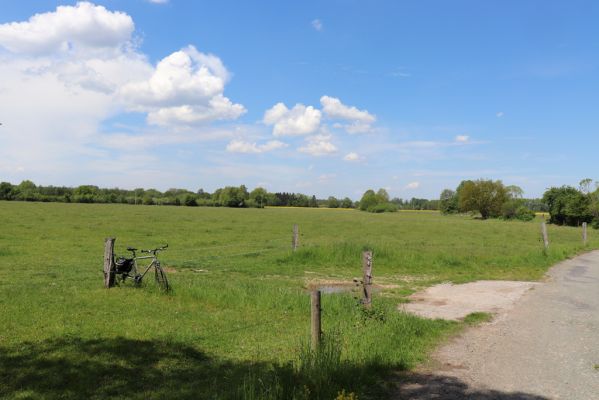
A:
x: 546, y: 347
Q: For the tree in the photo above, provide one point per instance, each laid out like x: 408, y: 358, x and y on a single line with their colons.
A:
x: 382, y: 196
x: 448, y: 202
x: 369, y: 199
x: 484, y: 196
x: 332, y: 202
x: 515, y: 192
x: 585, y: 185
x: 190, y: 200
x: 346, y: 203
x: 6, y: 191
x: 232, y: 196
x: 259, y: 196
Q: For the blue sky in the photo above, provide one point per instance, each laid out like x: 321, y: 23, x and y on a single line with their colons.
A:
x: 410, y: 96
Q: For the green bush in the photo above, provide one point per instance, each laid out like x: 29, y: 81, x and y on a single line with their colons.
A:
x: 525, y: 214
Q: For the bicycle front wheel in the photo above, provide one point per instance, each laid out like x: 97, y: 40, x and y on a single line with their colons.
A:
x: 160, y: 276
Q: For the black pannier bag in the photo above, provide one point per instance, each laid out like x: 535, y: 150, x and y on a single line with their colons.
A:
x: 123, y: 265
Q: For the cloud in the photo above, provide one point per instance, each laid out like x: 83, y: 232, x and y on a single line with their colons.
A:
x: 217, y: 108
x: 335, y: 109
x: 317, y: 24
x: 351, y: 157
x: 68, y: 73
x: 158, y: 1
x: 318, y: 145
x: 69, y: 29
x: 186, y: 87
x: 400, y: 73
x: 357, y: 127
x: 499, y: 114
x: 240, y: 146
x: 413, y: 185
x: 300, y: 120
x: 462, y: 138
x: 359, y: 120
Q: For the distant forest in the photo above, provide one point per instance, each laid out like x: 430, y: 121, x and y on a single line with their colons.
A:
x: 230, y: 196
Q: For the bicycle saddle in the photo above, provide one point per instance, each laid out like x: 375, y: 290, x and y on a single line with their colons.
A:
x: 131, y: 249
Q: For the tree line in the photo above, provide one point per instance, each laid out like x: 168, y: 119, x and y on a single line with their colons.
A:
x: 229, y: 196
x: 492, y: 199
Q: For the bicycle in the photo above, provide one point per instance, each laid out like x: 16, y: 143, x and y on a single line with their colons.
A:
x: 127, y: 267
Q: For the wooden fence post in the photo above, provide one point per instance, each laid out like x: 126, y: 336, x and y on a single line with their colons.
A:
x: 109, y: 262
x: 584, y: 233
x: 315, y: 313
x: 544, y: 233
x: 295, y: 239
x: 367, y: 279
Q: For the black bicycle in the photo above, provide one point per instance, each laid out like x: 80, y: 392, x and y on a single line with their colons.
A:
x: 126, y: 268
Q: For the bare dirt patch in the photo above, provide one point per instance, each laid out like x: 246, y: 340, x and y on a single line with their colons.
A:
x: 454, y: 302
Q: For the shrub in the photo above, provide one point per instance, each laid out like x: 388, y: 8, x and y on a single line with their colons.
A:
x: 190, y: 201
x: 525, y: 214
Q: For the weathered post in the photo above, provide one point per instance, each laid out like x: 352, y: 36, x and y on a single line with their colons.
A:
x: 584, y: 233
x: 109, y: 262
x: 544, y: 233
x: 367, y: 280
x: 315, y: 313
x: 295, y: 239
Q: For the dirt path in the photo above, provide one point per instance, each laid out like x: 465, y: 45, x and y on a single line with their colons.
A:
x: 546, y: 347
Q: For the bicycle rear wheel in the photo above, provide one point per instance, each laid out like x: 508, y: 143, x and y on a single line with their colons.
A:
x: 160, y: 276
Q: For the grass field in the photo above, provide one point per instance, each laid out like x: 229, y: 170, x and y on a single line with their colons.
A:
x: 236, y: 324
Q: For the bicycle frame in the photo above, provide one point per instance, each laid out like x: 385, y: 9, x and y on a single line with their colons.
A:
x: 150, y: 265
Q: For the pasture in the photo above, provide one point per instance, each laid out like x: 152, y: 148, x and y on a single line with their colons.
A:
x: 237, y: 323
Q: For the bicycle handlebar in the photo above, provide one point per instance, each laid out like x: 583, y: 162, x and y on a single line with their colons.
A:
x: 153, y: 251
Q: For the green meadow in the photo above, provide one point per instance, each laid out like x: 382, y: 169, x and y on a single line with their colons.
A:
x: 237, y: 323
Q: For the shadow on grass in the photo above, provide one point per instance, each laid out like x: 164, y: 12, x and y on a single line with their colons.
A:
x: 430, y: 386
x: 136, y: 369
x: 117, y: 368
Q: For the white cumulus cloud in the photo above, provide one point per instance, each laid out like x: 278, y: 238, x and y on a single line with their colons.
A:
x: 318, y: 145
x: 240, y: 146
x: 64, y: 73
x: 351, y: 157
x: 300, y: 120
x: 413, y: 185
x: 76, y: 28
x: 462, y: 138
x: 335, y: 109
x: 358, y: 121
x: 186, y: 87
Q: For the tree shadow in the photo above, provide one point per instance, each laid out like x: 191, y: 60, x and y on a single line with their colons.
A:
x: 116, y: 368
x: 119, y: 368
x: 413, y: 386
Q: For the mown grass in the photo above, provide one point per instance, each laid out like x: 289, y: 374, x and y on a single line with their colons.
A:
x: 477, y: 318
x: 237, y: 321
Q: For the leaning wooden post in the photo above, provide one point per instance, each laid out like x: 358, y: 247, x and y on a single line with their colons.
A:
x: 109, y: 262
x: 367, y: 279
x: 295, y: 239
x: 584, y: 233
x: 315, y: 313
x: 544, y: 233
